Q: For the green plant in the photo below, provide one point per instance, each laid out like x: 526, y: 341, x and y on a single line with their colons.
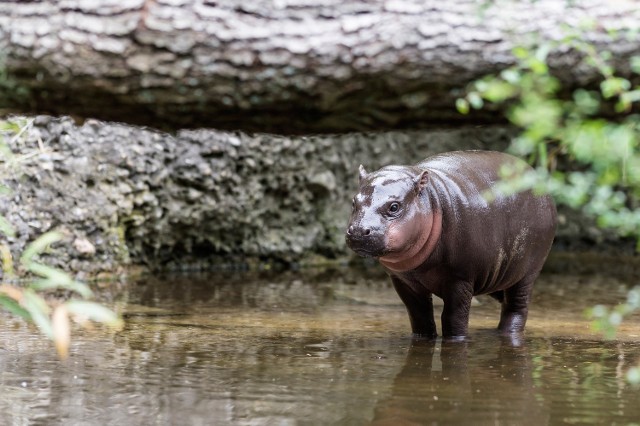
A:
x: 28, y: 290
x: 594, y: 132
x: 604, y: 177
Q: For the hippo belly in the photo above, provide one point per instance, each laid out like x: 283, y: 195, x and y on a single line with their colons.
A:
x: 431, y: 226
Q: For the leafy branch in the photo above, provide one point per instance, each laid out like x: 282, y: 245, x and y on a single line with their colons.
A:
x: 605, y: 178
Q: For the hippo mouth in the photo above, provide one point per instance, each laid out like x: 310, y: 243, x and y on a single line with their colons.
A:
x: 364, y: 247
x: 365, y: 253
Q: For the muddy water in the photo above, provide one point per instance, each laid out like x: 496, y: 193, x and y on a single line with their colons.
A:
x: 323, y: 347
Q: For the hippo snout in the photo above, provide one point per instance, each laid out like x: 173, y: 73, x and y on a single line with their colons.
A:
x: 357, y: 231
x: 364, y: 241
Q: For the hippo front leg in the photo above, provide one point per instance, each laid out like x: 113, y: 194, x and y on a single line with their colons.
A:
x: 455, y: 314
x: 419, y: 304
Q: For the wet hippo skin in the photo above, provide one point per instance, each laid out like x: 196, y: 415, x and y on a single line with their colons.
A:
x: 431, y: 226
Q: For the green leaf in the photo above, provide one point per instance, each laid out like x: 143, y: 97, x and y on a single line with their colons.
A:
x: 537, y: 66
x: 475, y: 100
x: 94, y: 312
x: 462, y: 106
x: 14, y: 307
x: 56, y: 279
x: 498, y: 91
x: 631, y: 96
x: 39, y: 245
x: 510, y: 76
x: 538, y: 116
x: 588, y: 102
x: 39, y: 311
x: 481, y: 85
x: 613, y: 86
x: 521, y: 52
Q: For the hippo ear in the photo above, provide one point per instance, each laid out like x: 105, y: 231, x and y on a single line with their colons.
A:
x: 421, y: 180
x: 362, y: 171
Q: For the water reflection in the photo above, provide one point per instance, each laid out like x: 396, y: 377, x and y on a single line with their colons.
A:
x: 320, y: 348
x: 438, y: 382
x: 543, y: 381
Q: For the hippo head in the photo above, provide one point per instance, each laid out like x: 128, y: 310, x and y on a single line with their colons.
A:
x: 389, y: 219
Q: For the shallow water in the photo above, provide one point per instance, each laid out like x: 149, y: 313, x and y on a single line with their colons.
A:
x: 323, y: 347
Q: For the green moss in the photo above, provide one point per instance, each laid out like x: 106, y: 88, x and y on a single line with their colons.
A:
x: 119, y: 241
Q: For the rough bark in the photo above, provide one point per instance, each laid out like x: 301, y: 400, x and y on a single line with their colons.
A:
x: 284, y: 66
x: 125, y: 195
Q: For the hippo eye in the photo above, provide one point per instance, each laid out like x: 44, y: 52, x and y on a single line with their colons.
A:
x: 394, y: 207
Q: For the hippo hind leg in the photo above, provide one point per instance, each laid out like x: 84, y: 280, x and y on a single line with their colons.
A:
x: 515, y: 304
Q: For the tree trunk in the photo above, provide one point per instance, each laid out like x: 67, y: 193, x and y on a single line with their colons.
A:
x: 285, y: 66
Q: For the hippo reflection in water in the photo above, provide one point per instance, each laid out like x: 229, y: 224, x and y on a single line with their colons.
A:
x: 431, y: 226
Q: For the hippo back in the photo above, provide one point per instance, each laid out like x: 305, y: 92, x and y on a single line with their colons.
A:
x: 490, y: 243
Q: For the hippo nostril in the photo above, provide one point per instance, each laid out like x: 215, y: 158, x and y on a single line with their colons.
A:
x: 358, y: 232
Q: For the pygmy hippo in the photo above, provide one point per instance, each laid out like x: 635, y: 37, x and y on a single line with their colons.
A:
x: 434, y: 230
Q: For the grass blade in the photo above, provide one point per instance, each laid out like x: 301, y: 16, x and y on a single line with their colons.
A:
x: 14, y: 307
x: 39, y: 311
x: 94, y: 312
x: 56, y: 279
x: 39, y: 245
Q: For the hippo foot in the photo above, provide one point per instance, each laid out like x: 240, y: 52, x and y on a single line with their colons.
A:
x: 512, y: 323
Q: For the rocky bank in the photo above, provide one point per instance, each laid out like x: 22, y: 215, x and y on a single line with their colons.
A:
x: 125, y: 195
